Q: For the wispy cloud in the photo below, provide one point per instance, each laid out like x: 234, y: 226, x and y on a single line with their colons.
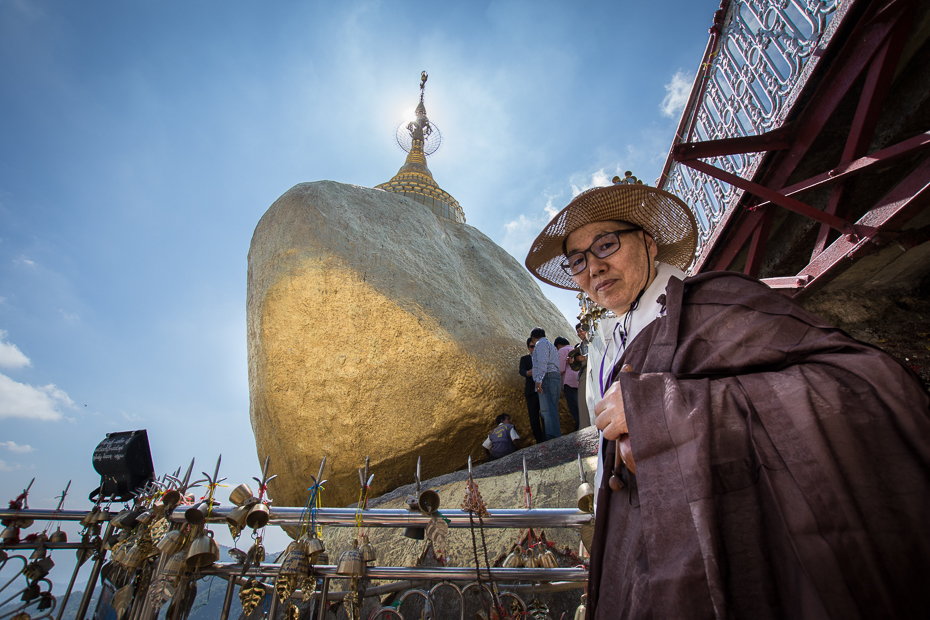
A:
x: 8, y: 467
x: 676, y: 94
x: 22, y: 260
x: 70, y: 317
x: 10, y: 355
x: 598, y: 178
x: 12, y: 446
x: 19, y: 400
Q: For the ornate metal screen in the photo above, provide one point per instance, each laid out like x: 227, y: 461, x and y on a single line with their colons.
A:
x: 762, y: 57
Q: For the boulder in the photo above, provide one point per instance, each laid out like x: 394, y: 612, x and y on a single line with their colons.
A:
x: 377, y: 329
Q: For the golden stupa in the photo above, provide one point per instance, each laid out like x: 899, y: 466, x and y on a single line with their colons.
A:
x: 414, y: 180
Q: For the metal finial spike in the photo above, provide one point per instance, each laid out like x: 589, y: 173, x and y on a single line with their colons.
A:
x: 187, y: 476
x: 584, y: 477
x: 63, y: 495
x: 26, y: 490
x: 423, y: 77
x: 367, y: 465
x: 320, y: 475
x: 216, y: 472
x: 469, y: 467
x: 361, y: 478
x: 526, y: 475
x: 265, y: 467
x: 418, y: 474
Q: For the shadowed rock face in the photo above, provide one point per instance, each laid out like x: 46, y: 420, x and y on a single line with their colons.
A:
x: 377, y: 329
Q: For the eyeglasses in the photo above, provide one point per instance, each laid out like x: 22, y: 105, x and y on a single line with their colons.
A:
x: 602, y: 248
x: 532, y: 346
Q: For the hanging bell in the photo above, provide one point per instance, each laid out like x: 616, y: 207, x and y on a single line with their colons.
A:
x: 237, y: 516
x: 133, y: 558
x: 295, y: 562
x: 203, y: 552
x: 31, y: 592
x: 176, y: 564
x: 58, y: 536
x: 314, y: 548
x: 367, y: 550
x: 258, y: 516
x: 38, y: 553
x: 585, y: 496
x: 428, y: 502
x: 197, y: 514
x: 547, y: 559
x: 582, y: 610
x: 514, y: 559
x: 241, y: 495
x: 529, y: 559
x: 158, y: 509
x: 412, y: 532
x: 45, y: 601
x: 171, y: 542
x: 145, y: 517
x: 171, y: 497
x: 351, y: 563
x: 91, y: 517
x: 119, y: 553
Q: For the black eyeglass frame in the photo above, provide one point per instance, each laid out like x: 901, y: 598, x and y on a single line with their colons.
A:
x: 566, y: 264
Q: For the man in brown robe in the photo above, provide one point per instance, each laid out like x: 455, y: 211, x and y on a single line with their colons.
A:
x: 782, y: 468
x: 771, y: 466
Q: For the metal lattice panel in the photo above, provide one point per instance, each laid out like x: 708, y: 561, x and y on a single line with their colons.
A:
x: 765, y: 53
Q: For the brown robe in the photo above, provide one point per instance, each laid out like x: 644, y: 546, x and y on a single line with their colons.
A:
x: 782, y: 468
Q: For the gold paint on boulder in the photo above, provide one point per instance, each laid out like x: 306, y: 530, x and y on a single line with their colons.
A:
x: 377, y: 329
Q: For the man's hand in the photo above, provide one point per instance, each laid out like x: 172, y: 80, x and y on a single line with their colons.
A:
x: 610, y: 417
x: 539, y: 387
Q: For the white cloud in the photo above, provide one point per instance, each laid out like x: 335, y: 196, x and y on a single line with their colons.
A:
x: 22, y: 260
x: 18, y: 400
x: 12, y: 446
x: 10, y: 355
x: 598, y: 178
x: 6, y: 467
x: 676, y: 94
x: 70, y: 317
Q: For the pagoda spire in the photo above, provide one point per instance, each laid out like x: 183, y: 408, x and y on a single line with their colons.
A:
x: 414, y: 180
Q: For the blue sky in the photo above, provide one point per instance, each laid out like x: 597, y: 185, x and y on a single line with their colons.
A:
x: 140, y: 143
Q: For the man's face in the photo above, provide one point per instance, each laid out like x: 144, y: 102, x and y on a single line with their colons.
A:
x: 530, y: 347
x: 581, y: 333
x: 615, y: 281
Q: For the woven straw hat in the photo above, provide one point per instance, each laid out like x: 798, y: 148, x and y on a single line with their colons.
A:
x: 664, y: 216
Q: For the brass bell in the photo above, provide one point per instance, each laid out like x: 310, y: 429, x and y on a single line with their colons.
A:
x: 171, y: 543
x: 367, y: 550
x: 351, y: 563
x: 58, y: 536
x: 241, y: 495
x: 585, y: 497
x: 197, y: 514
x: 529, y: 559
x: 38, y: 553
x: 9, y: 533
x: 203, y: 552
x: 119, y: 554
x: 133, y: 558
x: 237, y: 516
x: 547, y: 559
x: 176, y: 564
x: 582, y: 610
x: 45, y: 601
x: 428, y: 502
x: 514, y: 559
x: 296, y: 562
x: 91, y: 517
x: 158, y: 509
x: 585, y: 493
x: 171, y: 497
x: 145, y: 518
x: 314, y: 548
x: 258, y: 516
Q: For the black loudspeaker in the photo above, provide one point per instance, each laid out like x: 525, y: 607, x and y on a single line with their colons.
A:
x: 124, y: 463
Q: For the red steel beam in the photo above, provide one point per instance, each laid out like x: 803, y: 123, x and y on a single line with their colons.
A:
x: 736, y: 240
x: 871, y: 100
x: 791, y: 282
x: 760, y: 240
x: 898, y: 207
x: 775, y: 140
x: 883, y: 157
x: 772, y: 196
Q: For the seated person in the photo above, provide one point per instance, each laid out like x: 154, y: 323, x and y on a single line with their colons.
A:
x: 503, y: 439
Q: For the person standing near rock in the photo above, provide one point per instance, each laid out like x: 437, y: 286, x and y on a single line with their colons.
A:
x: 529, y: 391
x: 569, y: 379
x: 548, y: 381
x: 579, y: 362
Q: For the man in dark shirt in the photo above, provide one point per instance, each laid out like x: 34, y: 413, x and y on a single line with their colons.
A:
x: 532, y: 396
